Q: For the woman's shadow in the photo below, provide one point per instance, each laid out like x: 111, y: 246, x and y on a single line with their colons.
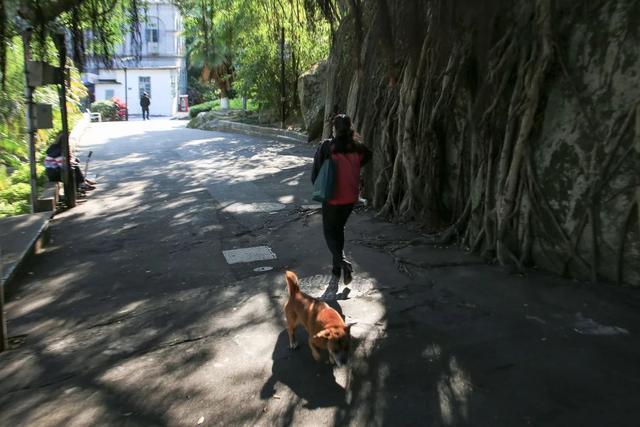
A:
x: 313, y: 382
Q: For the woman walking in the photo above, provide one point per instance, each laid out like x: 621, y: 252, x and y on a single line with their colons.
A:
x: 349, y: 154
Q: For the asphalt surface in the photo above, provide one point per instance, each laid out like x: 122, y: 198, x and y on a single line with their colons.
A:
x: 133, y: 315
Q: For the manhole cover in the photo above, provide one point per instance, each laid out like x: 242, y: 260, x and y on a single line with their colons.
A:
x: 16, y: 341
x: 257, y: 253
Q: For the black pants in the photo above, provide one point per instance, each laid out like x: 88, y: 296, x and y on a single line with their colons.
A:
x: 334, y: 219
x: 55, y: 175
x: 145, y: 113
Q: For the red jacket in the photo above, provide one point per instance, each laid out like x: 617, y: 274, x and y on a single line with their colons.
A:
x: 347, y: 189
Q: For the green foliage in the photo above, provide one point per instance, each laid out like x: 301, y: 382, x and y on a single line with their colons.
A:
x: 22, y: 174
x: 194, y: 110
x: 200, y: 92
x: 13, y: 138
x: 4, y: 179
x: 247, y: 33
x: 211, y: 33
x: 15, y: 190
x: 106, y: 20
x: 16, y: 193
x: 12, y: 111
x: 107, y: 109
x: 17, y: 208
x: 15, y: 200
x: 234, y: 104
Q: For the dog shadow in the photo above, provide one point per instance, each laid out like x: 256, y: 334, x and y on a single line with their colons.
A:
x: 313, y: 382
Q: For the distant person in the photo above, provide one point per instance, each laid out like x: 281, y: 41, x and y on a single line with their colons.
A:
x: 145, y: 101
x: 54, y: 161
x: 349, y: 154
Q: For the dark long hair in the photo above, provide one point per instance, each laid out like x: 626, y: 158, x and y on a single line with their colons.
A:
x: 346, y: 139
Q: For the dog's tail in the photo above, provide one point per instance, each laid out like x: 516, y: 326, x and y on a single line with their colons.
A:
x: 292, y: 283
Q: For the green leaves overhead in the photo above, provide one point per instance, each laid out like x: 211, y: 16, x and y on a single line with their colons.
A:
x: 106, y: 21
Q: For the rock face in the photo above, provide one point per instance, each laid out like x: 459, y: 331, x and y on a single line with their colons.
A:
x: 312, y: 92
x: 511, y: 127
x: 206, y: 120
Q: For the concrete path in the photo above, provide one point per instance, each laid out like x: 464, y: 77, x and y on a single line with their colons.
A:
x: 133, y: 315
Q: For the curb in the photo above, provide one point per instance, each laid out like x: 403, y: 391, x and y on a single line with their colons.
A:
x: 282, y: 134
x: 253, y: 130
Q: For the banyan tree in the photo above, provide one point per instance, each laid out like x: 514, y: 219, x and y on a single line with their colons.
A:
x: 509, y: 127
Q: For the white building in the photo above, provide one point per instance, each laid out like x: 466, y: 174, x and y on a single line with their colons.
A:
x: 160, y: 70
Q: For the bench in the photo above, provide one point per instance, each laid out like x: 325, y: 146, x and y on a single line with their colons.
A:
x: 94, y: 116
x: 21, y: 236
x: 48, y: 200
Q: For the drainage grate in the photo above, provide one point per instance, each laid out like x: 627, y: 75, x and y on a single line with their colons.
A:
x: 257, y: 253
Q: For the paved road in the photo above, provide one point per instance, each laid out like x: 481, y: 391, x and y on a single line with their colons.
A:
x: 133, y: 315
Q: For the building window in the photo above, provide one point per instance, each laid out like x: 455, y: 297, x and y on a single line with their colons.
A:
x: 144, y: 85
x: 108, y: 93
x: 152, y: 35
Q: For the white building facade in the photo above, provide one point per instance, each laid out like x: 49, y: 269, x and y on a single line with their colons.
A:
x: 160, y: 70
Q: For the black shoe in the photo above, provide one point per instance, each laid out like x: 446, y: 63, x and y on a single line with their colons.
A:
x: 347, y: 270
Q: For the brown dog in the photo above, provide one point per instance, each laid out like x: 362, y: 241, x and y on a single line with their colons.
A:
x: 324, y: 325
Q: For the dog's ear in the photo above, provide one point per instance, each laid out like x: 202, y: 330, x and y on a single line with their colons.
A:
x: 324, y: 334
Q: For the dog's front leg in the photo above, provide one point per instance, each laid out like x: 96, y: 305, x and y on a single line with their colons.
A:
x: 314, y: 351
x: 293, y: 344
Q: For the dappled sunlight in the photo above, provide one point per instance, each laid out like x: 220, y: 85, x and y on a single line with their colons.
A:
x: 289, y: 199
x: 294, y: 180
x: 132, y: 371
x: 39, y: 409
x: 80, y: 271
x: 256, y: 341
x: 194, y: 190
x: 126, y: 195
x: 19, y: 370
x: 244, y: 208
x: 32, y: 305
x: 245, y: 163
x: 180, y: 203
x: 132, y: 306
x: 203, y: 142
x: 63, y: 345
x: 454, y: 390
x: 132, y: 158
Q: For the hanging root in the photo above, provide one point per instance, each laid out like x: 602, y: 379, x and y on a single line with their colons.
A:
x: 622, y: 239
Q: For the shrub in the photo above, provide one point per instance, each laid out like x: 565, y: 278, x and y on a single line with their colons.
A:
x: 107, y: 110
x: 200, y: 92
x: 234, y: 104
x: 121, y: 108
x: 10, y: 209
x: 16, y: 193
x: 194, y: 110
x: 23, y: 175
